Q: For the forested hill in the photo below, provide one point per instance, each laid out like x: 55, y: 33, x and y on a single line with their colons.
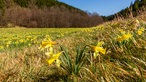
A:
x: 42, y: 3
x: 44, y: 13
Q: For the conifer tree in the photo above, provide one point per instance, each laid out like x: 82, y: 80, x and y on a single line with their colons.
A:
x: 143, y: 2
x: 22, y: 3
x: 136, y: 5
x: 1, y: 7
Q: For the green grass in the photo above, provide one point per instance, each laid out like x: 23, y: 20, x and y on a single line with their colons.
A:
x: 123, y: 61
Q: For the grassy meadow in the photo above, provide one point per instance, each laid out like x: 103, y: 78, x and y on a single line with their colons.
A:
x: 112, y: 52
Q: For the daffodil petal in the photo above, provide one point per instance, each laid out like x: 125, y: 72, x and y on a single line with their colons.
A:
x: 95, y: 55
x: 58, y: 62
x: 101, y: 50
x: 53, y: 58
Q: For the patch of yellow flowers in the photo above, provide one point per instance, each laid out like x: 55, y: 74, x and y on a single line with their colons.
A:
x: 127, y: 36
x: 48, y: 44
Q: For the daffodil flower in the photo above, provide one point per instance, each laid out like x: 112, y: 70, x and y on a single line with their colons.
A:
x: 53, y: 58
x: 98, y: 48
x: 124, y: 37
x: 140, y: 31
x: 46, y: 44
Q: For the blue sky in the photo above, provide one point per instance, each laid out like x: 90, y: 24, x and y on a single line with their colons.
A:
x: 102, y: 7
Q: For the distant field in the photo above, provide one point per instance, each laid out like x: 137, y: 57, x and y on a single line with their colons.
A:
x: 111, y: 52
x: 22, y: 37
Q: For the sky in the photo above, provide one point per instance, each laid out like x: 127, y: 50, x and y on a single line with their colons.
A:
x: 102, y: 7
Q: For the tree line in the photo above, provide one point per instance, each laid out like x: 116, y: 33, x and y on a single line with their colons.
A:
x: 45, y: 13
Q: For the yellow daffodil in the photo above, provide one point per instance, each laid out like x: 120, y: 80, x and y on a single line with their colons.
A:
x: 46, y: 44
x: 53, y: 58
x: 98, y: 48
x: 124, y: 37
x: 140, y: 31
